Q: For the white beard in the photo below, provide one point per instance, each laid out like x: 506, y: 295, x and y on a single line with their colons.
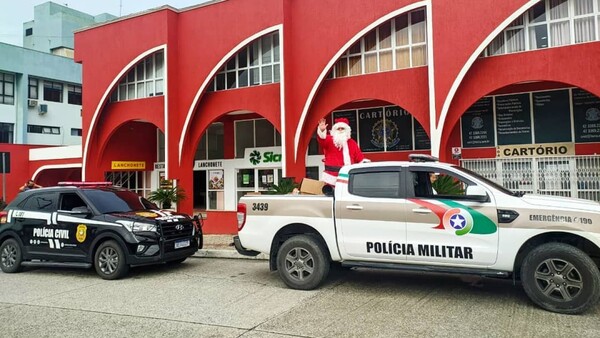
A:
x: 340, y: 138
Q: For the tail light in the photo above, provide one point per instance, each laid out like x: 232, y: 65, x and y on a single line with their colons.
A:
x: 3, y: 217
x: 241, y: 215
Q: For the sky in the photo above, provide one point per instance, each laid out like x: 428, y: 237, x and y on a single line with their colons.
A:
x: 13, y: 13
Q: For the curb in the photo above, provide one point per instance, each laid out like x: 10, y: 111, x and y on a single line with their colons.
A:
x: 229, y: 254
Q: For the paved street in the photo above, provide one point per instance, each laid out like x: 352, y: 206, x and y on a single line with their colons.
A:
x: 230, y: 298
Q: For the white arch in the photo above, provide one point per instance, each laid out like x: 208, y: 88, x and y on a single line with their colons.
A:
x: 107, y: 92
x: 437, y: 131
x: 337, y: 55
x: 55, y: 166
x: 211, y: 75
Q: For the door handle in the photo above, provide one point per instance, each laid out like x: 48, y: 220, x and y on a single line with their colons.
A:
x: 421, y: 211
x: 354, y: 207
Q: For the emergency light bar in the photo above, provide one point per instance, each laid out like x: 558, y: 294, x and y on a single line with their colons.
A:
x: 422, y: 158
x: 86, y: 184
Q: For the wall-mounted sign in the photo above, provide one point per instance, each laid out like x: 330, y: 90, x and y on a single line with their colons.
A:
x: 586, y: 116
x: 477, y: 125
x: 513, y: 119
x: 128, y: 165
x: 159, y: 165
x: 208, y: 164
x: 535, y: 150
x: 263, y: 157
x: 552, y: 116
x: 422, y: 141
x: 385, y: 129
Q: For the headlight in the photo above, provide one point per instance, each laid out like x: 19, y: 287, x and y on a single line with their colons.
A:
x: 144, y: 227
x: 138, y: 226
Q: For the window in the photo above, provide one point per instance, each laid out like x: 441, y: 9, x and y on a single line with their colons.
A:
x: 145, y: 79
x: 35, y: 129
x: 396, y: 44
x: 74, y: 94
x: 549, y: 23
x: 211, y: 144
x: 382, y: 184
x: 256, y: 64
x: 6, y: 132
x: 70, y: 201
x: 28, y: 31
x: 53, y: 91
x: 429, y: 183
x: 75, y: 132
x: 41, y: 202
x: 7, y: 88
x: 254, y: 133
x: 33, y: 88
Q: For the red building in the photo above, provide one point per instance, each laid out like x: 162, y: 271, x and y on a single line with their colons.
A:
x: 224, y: 97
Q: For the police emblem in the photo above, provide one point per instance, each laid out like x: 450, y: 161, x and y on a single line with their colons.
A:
x: 81, y: 233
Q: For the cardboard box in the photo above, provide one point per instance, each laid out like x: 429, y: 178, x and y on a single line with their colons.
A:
x: 311, y: 187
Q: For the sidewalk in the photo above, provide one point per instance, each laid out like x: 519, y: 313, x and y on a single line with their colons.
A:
x: 221, y: 246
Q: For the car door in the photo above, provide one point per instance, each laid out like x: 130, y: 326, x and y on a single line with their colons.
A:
x: 447, y: 226
x: 369, y: 215
x: 34, y: 218
x: 73, y: 227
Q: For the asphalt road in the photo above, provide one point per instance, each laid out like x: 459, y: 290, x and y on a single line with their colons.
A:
x: 206, y: 297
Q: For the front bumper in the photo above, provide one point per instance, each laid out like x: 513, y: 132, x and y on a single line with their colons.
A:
x: 241, y: 250
x: 164, y: 251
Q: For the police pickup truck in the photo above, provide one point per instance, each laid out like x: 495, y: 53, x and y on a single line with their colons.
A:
x: 430, y: 216
x: 80, y: 225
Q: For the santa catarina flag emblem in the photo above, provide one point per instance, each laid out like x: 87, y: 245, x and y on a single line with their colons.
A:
x: 459, y: 218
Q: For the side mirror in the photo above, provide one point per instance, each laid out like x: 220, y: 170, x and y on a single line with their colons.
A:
x: 477, y: 193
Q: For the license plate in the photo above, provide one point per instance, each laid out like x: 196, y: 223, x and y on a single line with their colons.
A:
x: 182, y: 244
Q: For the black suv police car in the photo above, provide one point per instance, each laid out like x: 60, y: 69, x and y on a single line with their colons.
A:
x: 83, y: 225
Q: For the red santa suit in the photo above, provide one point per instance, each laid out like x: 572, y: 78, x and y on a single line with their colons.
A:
x: 339, y: 149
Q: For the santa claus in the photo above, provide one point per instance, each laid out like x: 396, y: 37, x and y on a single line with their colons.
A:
x: 339, y: 149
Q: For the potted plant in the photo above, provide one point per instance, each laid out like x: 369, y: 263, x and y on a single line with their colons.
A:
x: 165, y: 196
x: 286, y: 186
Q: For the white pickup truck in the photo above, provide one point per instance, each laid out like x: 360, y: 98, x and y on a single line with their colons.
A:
x: 430, y: 216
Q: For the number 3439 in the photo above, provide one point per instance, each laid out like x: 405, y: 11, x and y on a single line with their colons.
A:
x: 260, y: 206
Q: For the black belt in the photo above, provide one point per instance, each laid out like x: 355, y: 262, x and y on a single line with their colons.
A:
x: 332, y: 168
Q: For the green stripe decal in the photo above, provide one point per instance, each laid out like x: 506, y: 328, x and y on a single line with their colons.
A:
x: 344, y: 176
x: 482, y: 225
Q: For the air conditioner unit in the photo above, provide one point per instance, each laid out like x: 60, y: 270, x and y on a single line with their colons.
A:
x: 43, y: 109
x: 32, y: 103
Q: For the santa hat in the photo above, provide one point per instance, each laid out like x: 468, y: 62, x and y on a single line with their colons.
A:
x: 341, y: 122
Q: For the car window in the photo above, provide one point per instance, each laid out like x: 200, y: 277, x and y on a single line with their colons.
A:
x: 108, y: 201
x: 384, y: 184
x: 434, y: 184
x: 70, y: 201
x: 41, y: 202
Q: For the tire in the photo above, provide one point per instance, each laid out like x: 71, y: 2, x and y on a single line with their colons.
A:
x: 109, y: 261
x: 302, y: 262
x: 561, y: 278
x: 11, y: 256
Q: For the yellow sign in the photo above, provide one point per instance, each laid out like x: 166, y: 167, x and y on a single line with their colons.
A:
x: 128, y: 165
x: 81, y: 233
x: 535, y: 150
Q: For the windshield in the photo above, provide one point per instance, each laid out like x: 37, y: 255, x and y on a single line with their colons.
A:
x: 109, y: 201
x: 487, y: 181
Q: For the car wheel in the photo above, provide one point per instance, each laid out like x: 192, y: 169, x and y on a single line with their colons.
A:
x: 561, y: 278
x: 109, y: 261
x: 302, y: 262
x: 10, y: 256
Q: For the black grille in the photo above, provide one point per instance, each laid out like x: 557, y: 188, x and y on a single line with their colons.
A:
x: 176, y: 230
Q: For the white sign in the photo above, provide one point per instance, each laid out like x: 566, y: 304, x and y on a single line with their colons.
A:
x: 456, y: 150
x: 263, y: 157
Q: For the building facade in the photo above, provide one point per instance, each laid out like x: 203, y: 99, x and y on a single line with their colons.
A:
x: 223, y: 98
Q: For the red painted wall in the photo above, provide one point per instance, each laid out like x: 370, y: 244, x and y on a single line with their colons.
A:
x: 21, y: 169
x: 199, y: 40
